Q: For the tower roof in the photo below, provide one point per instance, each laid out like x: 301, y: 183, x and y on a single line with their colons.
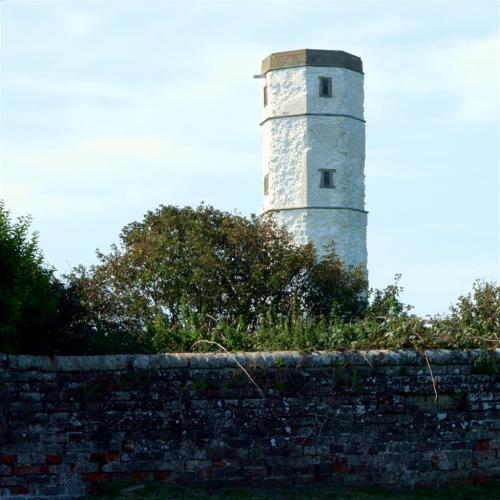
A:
x: 311, y: 57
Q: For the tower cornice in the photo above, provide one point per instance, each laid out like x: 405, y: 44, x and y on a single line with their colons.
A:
x: 312, y: 57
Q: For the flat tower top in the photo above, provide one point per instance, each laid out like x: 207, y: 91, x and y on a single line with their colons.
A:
x: 311, y: 57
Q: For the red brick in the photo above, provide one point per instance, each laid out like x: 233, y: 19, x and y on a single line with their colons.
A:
x: 112, y: 456
x: 128, y: 446
x: 96, y: 477
x: 53, y: 459
x: 161, y: 475
x: 478, y: 480
x: 482, y: 445
x: 26, y: 470
x: 19, y: 490
x: 304, y: 442
x: 340, y: 465
x: 385, y: 400
x: 119, y: 476
x: 8, y: 459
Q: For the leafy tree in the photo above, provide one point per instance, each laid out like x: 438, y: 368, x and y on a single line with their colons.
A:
x: 29, y: 293
x: 185, y: 269
x: 336, y: 289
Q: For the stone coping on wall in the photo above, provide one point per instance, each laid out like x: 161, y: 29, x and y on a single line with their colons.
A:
x: 296, y: 359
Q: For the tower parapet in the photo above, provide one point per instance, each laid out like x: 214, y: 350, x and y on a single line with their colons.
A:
x: 313, y: 148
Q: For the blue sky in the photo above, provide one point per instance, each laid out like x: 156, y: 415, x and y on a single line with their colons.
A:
x: 110, y: 108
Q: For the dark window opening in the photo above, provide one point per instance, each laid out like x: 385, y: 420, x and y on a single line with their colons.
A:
x: 264, y: 90
x: 326, y: 179
x: 325, y: 86
x: 266, y: 184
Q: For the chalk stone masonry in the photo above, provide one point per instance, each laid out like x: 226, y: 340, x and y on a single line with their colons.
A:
x: 304, y: 133
x: 69, y: 424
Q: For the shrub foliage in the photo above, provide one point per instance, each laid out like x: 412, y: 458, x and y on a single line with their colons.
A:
x: 29, y: 293
x: 183, y: 275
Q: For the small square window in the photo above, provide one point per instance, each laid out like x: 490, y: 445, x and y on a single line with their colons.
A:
x: 264, y: 94
x: 325, y: 86
x: 266, y: 184
x: 326, y: 178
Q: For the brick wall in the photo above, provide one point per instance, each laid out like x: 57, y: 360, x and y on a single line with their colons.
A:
x: 68, y: 424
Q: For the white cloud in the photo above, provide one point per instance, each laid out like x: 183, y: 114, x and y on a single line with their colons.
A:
x: 28, y: 198
x: 77, y: 22
x: 470, y: 71
x: 162, y: 134
x: 379, y: 171
x: 351, y: 35
x: 65, y: 87
x: 112, y: 153
x: 466, y: 70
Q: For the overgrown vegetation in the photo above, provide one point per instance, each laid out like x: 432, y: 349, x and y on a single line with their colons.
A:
x: 183, y: 275
x: 328, y: 490
x: 29, y: 293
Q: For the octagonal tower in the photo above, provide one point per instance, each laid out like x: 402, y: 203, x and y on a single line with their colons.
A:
x: 313, y: 148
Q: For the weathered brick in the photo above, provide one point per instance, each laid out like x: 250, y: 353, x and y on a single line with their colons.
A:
x: 53, y: 459
x: 25, y: 470
x: 112, y: 456
x: 482, y: 445
x: 96, y: 476
x: 19, y: 490
x: 324, y: 416
x: 8, y: 459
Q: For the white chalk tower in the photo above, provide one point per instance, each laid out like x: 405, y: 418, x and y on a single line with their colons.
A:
x: 313, y: 148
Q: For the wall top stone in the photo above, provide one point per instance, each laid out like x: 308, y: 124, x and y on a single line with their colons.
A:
x: 310, y: 57
x: 199, y: 361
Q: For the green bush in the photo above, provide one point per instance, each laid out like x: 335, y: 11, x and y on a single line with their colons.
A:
x: 474, y: 321
x: 29, y: 293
